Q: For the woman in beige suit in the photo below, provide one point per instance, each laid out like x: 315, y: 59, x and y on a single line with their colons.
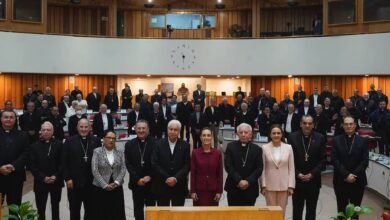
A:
x: 278, y: 179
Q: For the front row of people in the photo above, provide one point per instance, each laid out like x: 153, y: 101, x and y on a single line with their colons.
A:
x: 159, y: 169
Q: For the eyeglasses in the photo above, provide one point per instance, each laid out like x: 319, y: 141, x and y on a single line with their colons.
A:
x: 111, y: 138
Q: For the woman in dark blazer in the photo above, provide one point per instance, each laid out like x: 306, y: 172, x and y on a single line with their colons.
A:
x: 108, y: 169
x: 206, y: 172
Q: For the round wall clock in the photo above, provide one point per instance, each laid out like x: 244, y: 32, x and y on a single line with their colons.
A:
x: 183, y: 57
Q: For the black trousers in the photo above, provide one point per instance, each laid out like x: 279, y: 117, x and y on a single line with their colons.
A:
x: 77, y: 197
x: 11, y: 191
x: 55, y: 198
x: 186, y: 126
x: 142, y: 197
x: 384, y: 147
x: 348, y: 193
x: 170, y: 200
x: 196, y: 140
x: 305, y: 193
x: 240, y: 199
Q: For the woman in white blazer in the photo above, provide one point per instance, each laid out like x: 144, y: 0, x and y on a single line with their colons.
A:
x: 278, y: 179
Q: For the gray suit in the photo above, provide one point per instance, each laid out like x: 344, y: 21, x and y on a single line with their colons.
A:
x: 102, y: 170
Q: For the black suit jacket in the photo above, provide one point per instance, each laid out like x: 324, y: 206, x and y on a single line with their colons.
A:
x: 31, y: 122
x: 131, y: 119
x: 321, y: 124
x: 165, y: 164
x: 295, y: 122
x: 94, y: 102
x: 112, y: 102
x: 226, y: 113
x: 14, y: 150
x: 156, y: 123
x: 319, y: 100
x: 133, y: 160
x: 62, y: 109
x: 212, y: 118
x: 317, y: 157
x: 199, y: 98
x: 98, y: 127
x: 299, y: 96
x: 310, y: 111
x: 72, y: 124
x: 354, y: 162
x: 236, y: 172
x: 155, y: 98
x: 248, y: 118
x: 74, y: 166
x: 184, y: 112
x: 45, y: 161
x: 197, y: 125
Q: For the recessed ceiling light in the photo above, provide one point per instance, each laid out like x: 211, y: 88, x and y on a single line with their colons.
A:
x: 289, y: 76
x: 237, y: 77
x: 76, y: 74
x: 148, y: 75
x: 218, y: 76
x: 366, y: 75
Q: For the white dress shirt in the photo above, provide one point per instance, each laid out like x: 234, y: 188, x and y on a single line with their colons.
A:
x: 105, y: 121
x: 288, y: 123
x: 315, y: 98
x: 172, y: 145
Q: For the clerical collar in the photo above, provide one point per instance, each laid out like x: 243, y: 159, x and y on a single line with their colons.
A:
x: 47, y: 141
x: 244, y: 144
x: 349, y: 136
x: 141, y: 140
x: 83, y: 138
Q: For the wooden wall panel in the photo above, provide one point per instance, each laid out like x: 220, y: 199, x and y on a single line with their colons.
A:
x: 64, y: 19
x: 356, y: 28
x: 14, y: 85
x: 279, y: 85
x: 137, y: 25
x: 276, y: 19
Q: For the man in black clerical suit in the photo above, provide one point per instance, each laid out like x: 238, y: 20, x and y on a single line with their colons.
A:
x: 45, y: 164
x: 58, y: 124
x: 111, y: 100
x: 227, y: 112
x: 309, y: 158
x: 156, y: 121
x: 76, y: 163
x: 321, y: 121
x: 63, y: 106
x: 30, y: 122
x: 199, y: 96
x: 74, y: 120
x: 138, y: 153
x: 306, y: 109
x: 126, y: 97
x: 14, y: 151
x: 93, y: 99
x: 350, y: 160
x: 299, y: 96
x: 212, y: 115
x: 244, y: 165
x: 197, y: 123
x: 170, y: 168
x: 165, y: 109
x: 184, y: 110
x: 245, y: 116
x: 156, y: 97
x: 102, y: 122
x: 133, y: 117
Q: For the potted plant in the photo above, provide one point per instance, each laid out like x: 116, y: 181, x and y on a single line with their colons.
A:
x: 386, y: 212
x: 351, y: 210
x: 23, y: 212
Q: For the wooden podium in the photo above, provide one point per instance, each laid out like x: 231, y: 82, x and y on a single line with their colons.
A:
x: 215, y: 213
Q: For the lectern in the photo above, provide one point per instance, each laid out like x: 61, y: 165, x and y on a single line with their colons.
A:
x: 215, y: 213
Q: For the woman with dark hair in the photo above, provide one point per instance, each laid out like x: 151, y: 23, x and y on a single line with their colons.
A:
x: 206, y: 172
x: 278, y: 179
x: 108, y: 169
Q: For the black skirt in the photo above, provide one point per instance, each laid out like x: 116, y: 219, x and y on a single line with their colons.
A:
x: 108, y: 205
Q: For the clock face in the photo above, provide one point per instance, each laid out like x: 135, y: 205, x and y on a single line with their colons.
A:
x: 183, y: 57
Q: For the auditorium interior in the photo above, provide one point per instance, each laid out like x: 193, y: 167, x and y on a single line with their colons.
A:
x: 221, y: 47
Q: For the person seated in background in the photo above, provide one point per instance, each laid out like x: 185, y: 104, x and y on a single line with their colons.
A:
x: 336, y: 101
x: 306, y: 109
x: 102, y: 122
x: 82, y: 103
x: 44, y: 111
x: 321, y: 121
x: 226, y: 112
x: 30, y: 122
x: 354, y: 112
x: 267, y: 101
x: 252, y: 105
x: 72, y: 109
x: 74, y: 119
x: 58, y: 124
x: 244, y: 116
x: 276, y: 114
x: 265, y: 121
x: 64, y: 106
x: 356, y: 98
x: 284, y: 104
x: 290, y: 121
x: 51, y: 100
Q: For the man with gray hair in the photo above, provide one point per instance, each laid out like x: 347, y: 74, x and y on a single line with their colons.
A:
x: 102, y: 122
x: 170, y: 168
x: 244, y: 165
x: 45, y: 164
x: 156, y: 121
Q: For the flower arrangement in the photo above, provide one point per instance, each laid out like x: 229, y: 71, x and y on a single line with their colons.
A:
x: 351, y: 210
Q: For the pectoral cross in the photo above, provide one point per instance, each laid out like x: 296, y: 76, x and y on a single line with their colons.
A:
x: 306, y: 157
x: 85, y: 158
